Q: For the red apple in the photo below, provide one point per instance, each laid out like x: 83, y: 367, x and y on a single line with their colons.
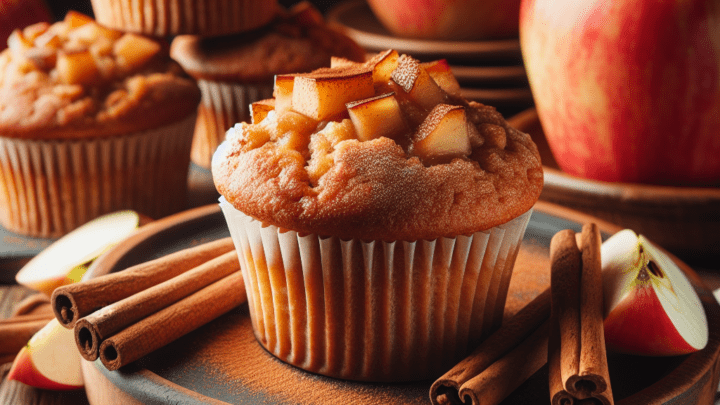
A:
x: 627, y: 90
x: 19, y: 14
x: 449, y: 20
x: 50, y: 360
x: 650, y: 306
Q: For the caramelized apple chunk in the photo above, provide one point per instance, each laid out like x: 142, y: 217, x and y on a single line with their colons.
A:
x: 283, y: 92
x: 323, y: 93
x: 440, y: 71
x: 377, y: 116
x: 443, y: 135
x: 417, y: 83
x: 260, y: 109
x: 133, y: 51
x: 76, y: 68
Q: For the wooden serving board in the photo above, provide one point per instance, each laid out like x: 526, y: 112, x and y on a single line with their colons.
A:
x: 222, y: 363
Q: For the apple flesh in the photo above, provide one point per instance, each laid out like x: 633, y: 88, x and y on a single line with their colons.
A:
x: 282, y: 92
x: 627, y: 90
x: 440, y: 71
x: 323, y: 93
x: 417, y: 83
x: 443, y: 135
x: 651, y: 308
x: 260, y: 109
x: 377, y: 116
x: 49, y: 360
x: 64, y: 261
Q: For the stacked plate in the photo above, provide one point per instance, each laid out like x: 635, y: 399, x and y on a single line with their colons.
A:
x: 490, y: 72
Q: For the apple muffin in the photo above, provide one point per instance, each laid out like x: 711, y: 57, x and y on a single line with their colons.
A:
x: 378, y: 215
x: 92, y: 120
x: 164, y: 18
x: 234, y: 71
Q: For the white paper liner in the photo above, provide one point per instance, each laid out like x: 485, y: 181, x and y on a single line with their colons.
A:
x: 373, y: 311
x: 48, y: 188
x: 174, y: 17
x: 223, y: 105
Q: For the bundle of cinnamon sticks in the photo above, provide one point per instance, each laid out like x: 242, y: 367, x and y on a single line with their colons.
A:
x: 562, y: 327
x: 123, y: 316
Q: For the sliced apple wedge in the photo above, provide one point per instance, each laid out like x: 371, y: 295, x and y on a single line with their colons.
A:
x: 260, y: 109
x: 417, y: 83
x: 651, y: 308
x: 60, y: 263
x: 443, y: 135
x: 377, y: 116
x: 323, y: 93
x: 440, y: 71
x: 49, y: 360
x: 282, y: 92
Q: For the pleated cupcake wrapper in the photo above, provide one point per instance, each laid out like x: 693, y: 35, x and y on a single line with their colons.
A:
x: 223, y: 105
x: 48, y: 188
x: 373, y: 310
x: 174, y: 17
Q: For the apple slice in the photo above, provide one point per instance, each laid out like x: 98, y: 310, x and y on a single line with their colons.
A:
x: 49, y: 360
x: 323, y: 93
x: 260, y: 109
x: 651, y: 308
x: 440, y: 71
x: 62, y: 262
x: 377, y: 116
x: 443, y: 135
x: 417, y: 83
x: 282, y: 92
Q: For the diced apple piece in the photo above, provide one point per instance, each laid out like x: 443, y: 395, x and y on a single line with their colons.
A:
x: 440, y: 71
x: 91, y: 32
x: 74, y: 19
x: 33, y: 31
x: 443, y: 135
x: 377, y: 116
x: 48, y: 39
x: 76, y: 68
x: 260, y: 109
x: 383, y: 65
x: 417, y: 83
x: 133, y: 51
x: 324, y: 92
x: 282, y: 91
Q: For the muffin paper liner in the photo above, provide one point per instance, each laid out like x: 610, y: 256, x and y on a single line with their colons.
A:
x: 174, y: 17
x: 223, y: 105
x: 48, y: 188
x: 373, y: 310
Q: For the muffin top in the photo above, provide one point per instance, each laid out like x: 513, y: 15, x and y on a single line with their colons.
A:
x: 298, y: 40
x: 382, y: 150
x: 76, y: 78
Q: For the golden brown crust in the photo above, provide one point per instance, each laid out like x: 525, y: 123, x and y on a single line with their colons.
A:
x: 374, y: 190
x: 41, y: 101
x: 297, y: 41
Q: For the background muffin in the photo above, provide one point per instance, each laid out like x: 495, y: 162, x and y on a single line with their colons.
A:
x: 378, y: 215
x: 76, y: 138
x: 199, y: 17
x: 234, y: 71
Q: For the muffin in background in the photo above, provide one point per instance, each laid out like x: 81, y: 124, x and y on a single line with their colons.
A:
x: 164, y: 18
x: 378, y: 216
x: 92, y: 120
x: 235, y: 71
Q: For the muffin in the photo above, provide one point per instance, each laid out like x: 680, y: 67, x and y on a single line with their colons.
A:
x: 234, y: 71
x: 92, y: 120
x: 377, y: 215
x: 163, y: 18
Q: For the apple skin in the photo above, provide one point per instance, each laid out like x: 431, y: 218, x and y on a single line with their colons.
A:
x: 19, y: 14
x: 641, y: 310
x: 449, y: 19
x: 24, y: 371
x: 627, y: 90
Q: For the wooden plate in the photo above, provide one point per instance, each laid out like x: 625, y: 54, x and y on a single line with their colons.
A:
x: 222, y: 363
x: 356, y: 19
x: 684, y: 220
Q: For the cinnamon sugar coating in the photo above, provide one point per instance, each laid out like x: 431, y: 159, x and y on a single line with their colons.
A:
x: 316, y: 177
x: 76, y: 79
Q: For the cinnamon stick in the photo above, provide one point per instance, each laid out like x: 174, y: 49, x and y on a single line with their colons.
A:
x: 502, y: 362
x: 172, y: 322
x: 74, y: 301
x: 33, y: 304
x: 577, y: 359
x: 91, y: 330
